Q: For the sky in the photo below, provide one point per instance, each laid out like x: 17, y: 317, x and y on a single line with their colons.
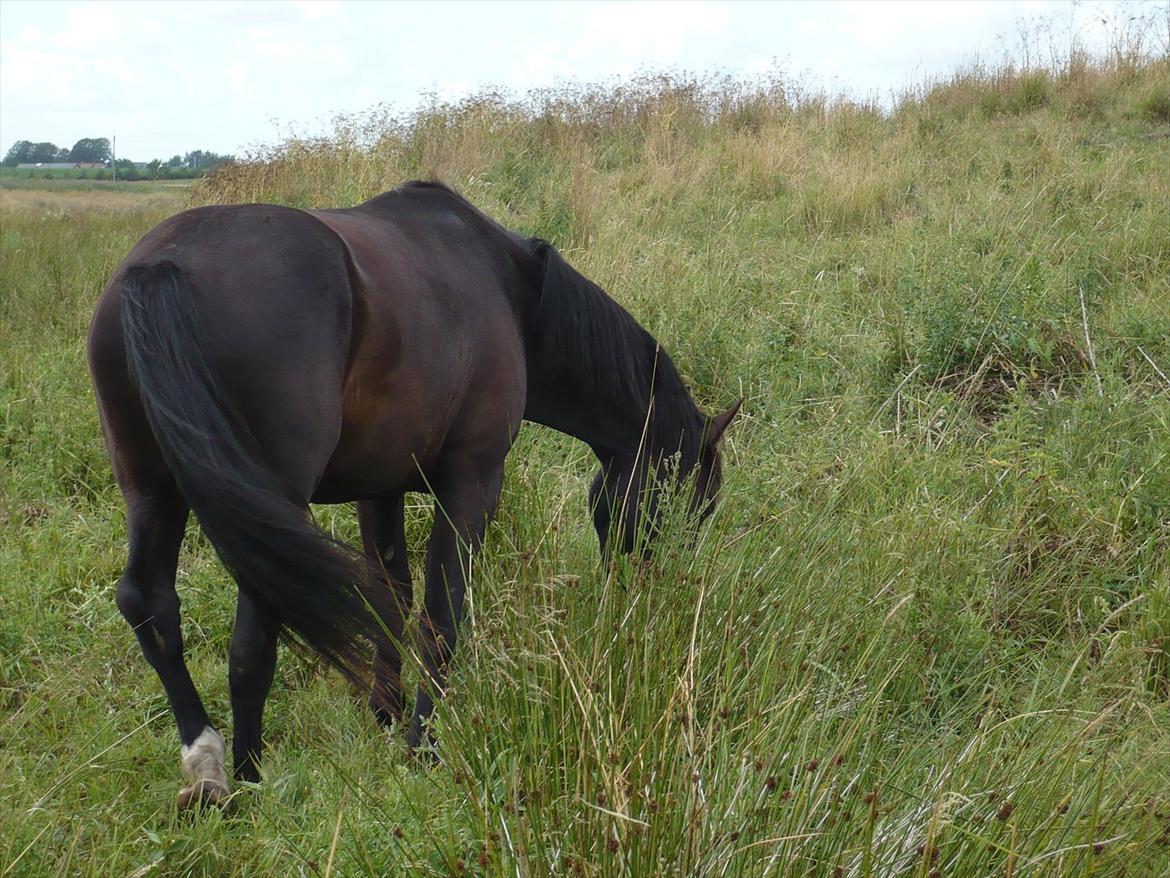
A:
x: 168, y: 78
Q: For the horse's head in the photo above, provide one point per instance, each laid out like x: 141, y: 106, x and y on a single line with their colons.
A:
x: 626, y: 494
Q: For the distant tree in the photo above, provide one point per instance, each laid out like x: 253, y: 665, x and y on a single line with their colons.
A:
x: 97, y: 150
x: 20, y: 152
x: 45, y: 152
x: 202, y: 160
x: 90, y: 149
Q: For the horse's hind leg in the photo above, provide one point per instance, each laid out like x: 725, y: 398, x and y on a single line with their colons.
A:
x: 384, y: 540
x: 147, y: 599
x: 251, y: 666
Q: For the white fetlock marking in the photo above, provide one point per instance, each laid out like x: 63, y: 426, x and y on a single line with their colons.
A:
x: 203, y: 760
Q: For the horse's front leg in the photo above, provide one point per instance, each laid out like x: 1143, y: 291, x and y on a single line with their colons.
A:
x: 463, y: 509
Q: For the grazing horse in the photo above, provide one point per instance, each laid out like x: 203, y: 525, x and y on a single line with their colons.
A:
x: 249, y: 360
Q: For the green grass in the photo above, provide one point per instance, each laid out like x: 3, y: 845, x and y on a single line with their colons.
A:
x: 927, y: 632
x: 48, y: 175
x: 84, y: 178
x: 62, y: 183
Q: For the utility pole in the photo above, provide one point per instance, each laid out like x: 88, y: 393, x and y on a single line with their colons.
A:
x: 114, y: 157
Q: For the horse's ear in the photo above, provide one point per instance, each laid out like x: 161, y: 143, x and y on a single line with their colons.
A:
x: 720, y: 422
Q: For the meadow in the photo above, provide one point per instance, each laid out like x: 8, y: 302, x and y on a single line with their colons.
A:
x: 927, y: 632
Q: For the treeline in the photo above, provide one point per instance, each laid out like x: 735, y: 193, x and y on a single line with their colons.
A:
x: 88, y: 149
x: 97, y: 150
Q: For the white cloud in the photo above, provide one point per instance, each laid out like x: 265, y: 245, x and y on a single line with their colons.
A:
x: 238, y: 80
x: 537, y: 66
x: 317, y: 9
x: 647, y: 33
x: 90, y: 25
x: 24, y: 69
x: 758, y: 65
x: 276, y: 50
x: 119, y: 68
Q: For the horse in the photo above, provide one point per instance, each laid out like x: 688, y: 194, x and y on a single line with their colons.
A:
x: 249, y: 360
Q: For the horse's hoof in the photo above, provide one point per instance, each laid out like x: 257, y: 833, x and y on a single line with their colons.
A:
x: 204, y: 793
x: 203, y: 766
x: 423, y: 750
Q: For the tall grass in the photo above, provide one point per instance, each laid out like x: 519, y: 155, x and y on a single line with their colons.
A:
x: 926, y: 633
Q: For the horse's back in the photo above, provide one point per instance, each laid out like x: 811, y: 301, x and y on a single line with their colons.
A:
x: 271, y: 289
x: 253, y: 266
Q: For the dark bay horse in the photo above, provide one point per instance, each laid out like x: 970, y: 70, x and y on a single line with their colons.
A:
x: 249, y: 360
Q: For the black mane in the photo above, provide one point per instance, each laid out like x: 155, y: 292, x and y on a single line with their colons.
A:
x: 587, y: 338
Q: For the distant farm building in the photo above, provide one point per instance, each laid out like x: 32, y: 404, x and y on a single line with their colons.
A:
x: 59, y: 166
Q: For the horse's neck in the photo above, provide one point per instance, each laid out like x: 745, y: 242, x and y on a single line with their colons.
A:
x: 614, y: 430
x: 594, y: 420
x: 591, y: 369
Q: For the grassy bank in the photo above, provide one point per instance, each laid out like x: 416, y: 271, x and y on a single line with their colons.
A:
x: 928, y: 631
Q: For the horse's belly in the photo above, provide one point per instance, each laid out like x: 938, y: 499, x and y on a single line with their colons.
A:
x: 345, y: 485
x: 387, y: 444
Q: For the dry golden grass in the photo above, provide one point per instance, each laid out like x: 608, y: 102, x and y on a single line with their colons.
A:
x: 65, y: 201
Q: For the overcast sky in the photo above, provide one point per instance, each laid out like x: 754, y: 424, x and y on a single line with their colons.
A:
x: 171, y: 77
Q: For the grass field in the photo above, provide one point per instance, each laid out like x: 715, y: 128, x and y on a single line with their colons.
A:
x: 66, y: 184
x: 98, y: 178
x: 927, y: 632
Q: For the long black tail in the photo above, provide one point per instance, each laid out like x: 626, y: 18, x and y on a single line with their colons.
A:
x: 279, y: 558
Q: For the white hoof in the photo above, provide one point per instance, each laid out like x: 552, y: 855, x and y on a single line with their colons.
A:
x: 203, y: 766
